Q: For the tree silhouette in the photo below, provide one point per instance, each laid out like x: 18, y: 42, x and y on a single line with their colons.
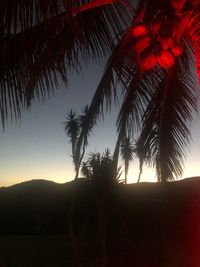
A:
x: 82, y: 142
x: 143, y: 155
x: 127, y: 153
x: 154, y: 51
x: 98, y: 167
x: 72, y: 129
x: 74, y: 125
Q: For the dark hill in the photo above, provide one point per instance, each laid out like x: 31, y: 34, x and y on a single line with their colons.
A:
x: 41, y: 205
x: 148, y: 224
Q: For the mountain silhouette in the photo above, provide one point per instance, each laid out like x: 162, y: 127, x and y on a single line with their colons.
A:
x: 145, y: 223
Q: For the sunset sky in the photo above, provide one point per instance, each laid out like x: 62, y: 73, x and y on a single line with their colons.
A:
x: 37, y: 148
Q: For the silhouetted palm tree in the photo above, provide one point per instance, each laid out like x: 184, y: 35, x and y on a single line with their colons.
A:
x: 72, y: 129
x: 127, y: 150
x: 151, y: 49
x: 77, y: 127
x: 82, y: 142
x: 143, y: 155
x: 98, y: 167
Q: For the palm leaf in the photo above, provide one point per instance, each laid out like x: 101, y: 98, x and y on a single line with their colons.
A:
x: 137, y: 96
x: 167, y: 120
x: 19, y: 15
x: 49, y: 42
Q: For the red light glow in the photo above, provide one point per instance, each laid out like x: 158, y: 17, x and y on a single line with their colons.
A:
x: 177, y: 50
x: 140, y: 30
x: 166, y: 59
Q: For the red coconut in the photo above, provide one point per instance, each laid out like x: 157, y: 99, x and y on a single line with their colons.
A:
x: 139, y: 30
x: 166, y: 59
x: 177, y: 50
x: 148, y: 62
x: 142, y: 43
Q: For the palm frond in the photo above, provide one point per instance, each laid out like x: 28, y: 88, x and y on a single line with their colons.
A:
x: 127, y: 149
x: 138, y: 94
x: 167, y: 120
x: 42, y: 45
x: 20, y: 15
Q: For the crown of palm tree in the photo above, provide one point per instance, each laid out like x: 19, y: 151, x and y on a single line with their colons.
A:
x: 98, y: 167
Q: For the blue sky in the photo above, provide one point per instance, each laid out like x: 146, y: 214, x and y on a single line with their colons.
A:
x: 37, y: 148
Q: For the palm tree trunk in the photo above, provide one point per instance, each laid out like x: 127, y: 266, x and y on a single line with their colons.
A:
x: 116, y: 155
x: 79, y: 163
x: 125, y: 177
x: 140, y: 172
x: 126, y: 171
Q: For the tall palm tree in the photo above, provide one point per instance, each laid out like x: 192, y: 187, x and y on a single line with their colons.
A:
x: 127, y: 152
x: 72, y: 129
x: 78, y: 128
x: 86, y: 127
x: 152, y: 50
x: 143, y: 155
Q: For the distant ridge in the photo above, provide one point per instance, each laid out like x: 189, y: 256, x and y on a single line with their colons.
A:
x: 45, y: 182
x: 31, y: 182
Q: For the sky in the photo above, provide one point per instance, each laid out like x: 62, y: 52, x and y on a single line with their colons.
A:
x: 36, y: 147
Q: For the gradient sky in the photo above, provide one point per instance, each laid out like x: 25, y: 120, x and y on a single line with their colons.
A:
x: 37, y: 148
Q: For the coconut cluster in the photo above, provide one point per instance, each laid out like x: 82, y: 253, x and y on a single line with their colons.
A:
x: 158, y: 41
x: 153, y: 47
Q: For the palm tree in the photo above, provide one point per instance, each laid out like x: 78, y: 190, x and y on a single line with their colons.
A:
x: 72, y: 129
x: 98, y: 168
x: 143, y: 155
x: 127, y: 152
x: 74, y: 125
x: 86, y: 127
x: 154, y: 50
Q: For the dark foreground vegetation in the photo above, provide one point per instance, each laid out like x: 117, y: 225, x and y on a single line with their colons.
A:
x: 81, y: 224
